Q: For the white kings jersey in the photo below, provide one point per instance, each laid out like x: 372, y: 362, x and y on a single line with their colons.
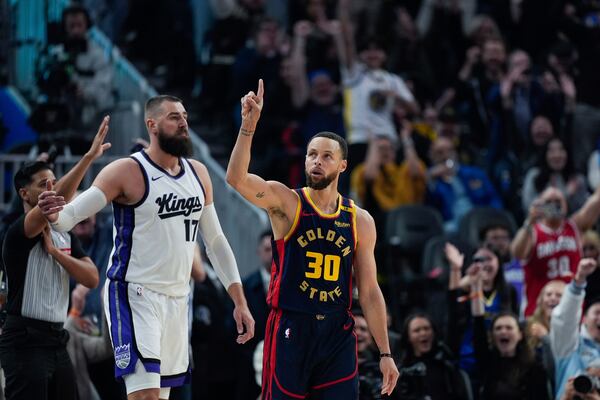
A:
x: 154, y: 239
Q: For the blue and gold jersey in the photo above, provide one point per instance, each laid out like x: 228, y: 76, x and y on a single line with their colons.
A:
x: 312, y: 265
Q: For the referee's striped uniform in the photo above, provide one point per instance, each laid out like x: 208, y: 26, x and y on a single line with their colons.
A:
x: 32, y: 344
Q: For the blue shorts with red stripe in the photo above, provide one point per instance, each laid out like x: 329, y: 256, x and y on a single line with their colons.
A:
x: 309, y: 356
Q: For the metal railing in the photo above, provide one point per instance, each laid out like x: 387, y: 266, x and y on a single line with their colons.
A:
x: 241, y: 221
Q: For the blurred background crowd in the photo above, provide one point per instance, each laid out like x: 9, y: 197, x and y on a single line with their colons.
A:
x: 473, y: 130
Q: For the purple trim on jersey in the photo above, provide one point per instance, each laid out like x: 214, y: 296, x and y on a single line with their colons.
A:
x: 124, y: 221
x: 146, y: 184
x: 176, y: 380
x: 121, y: 329
x: 197, y: 177
x: 122, y: 332
x: 161, y: 169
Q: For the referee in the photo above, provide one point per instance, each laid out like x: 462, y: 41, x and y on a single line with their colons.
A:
x: 38, y: 264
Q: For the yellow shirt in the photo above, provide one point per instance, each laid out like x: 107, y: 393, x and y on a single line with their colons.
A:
x: 393, y: 187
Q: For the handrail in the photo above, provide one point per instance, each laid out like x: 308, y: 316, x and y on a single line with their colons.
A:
x: 132, y: 90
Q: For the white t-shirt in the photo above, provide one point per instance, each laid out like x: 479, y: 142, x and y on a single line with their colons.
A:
x: 369, y: 97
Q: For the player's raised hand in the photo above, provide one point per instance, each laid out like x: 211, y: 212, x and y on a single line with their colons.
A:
x: 98, y: 146
x: 252, y: 104
x: 390, y: 375
x: 50, y: 203
x: 244, y: 323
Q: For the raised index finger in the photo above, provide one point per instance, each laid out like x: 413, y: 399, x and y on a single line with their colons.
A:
x: 261, y: 89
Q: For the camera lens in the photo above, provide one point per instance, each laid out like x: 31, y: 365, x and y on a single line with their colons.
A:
x: 583, y: 384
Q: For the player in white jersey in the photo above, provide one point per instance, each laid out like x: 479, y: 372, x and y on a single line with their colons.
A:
x: 161, y: 201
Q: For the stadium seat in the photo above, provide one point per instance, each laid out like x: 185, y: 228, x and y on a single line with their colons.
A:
x: 436, y: 271
x: 409, y: 227
x: 476, y: 219
x: 407, y: 230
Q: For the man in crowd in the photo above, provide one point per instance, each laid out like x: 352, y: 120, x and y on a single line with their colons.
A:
x: 91, y: 82
x: 548, y: 243
x: 454, y: 188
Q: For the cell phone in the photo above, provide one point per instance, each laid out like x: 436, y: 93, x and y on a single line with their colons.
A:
x: 550, y: 209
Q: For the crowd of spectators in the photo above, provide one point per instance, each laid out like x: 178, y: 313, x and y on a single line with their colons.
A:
x: 74, y: 85
x: 448, y: 104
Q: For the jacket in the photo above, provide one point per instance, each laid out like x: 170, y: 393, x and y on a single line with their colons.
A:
x: 572, y: 346
x: 477, y: 186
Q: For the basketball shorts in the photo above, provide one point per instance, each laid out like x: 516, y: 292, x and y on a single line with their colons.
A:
x: 309, y: 356
x: 149, y: 327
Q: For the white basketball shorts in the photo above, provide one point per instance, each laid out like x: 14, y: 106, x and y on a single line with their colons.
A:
x: 150, y: 327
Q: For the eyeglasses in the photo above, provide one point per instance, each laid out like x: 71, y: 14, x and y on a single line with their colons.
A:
x: 481, y: 259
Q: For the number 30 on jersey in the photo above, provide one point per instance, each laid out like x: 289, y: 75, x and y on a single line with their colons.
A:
x: 320, y: 265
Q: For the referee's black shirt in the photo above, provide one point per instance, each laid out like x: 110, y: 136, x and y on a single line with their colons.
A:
x: 38, y: 286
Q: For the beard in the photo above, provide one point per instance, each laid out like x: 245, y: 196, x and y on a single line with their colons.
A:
x: 175, y: 145
x: 321, y: 184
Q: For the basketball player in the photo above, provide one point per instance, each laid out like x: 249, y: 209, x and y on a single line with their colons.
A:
x: 549, y: 243
x: 320, y: 237
x: 160, y: 200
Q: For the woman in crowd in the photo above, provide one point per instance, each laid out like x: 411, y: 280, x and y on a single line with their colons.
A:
x: 499, y: 296
x: 555, y: 169
x: 427, y: 368
x: 538, y: 325
x: 507, y: 369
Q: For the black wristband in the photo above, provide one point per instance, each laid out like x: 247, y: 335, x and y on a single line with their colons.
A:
x: 381, y: 355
